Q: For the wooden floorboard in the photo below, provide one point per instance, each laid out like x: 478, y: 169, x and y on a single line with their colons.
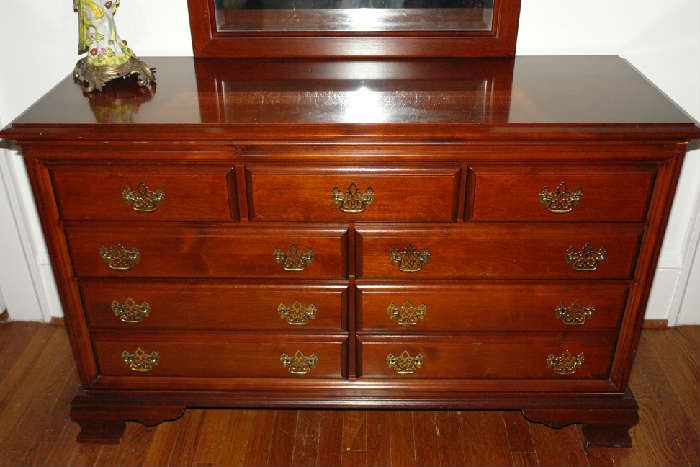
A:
x: 38, y: 379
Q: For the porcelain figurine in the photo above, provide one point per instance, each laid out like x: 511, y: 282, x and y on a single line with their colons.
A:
x: 108, y: 56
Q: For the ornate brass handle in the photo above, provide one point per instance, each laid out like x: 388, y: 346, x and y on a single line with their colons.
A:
x: 587, y: 258
x: 293, y: 259
x: 409, y: 259
x: 407, y: 314
x: 141, y: 198
x: 299, y: 364
x: 574, y: 314
x: 297, y: 314
x: 140, y: 361
x: 565, y: 364
x: 560, y: 200
x: 119, y: 257
x: 352, y: 201
x: 130, y: 311
x: 404, y: 364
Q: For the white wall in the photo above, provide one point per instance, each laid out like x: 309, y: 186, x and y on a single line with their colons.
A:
x: 662, y: 39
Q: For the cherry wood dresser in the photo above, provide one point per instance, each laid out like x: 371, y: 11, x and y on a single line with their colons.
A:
x: 446, y: 234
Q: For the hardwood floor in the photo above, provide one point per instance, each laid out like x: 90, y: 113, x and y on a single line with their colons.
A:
x: 38, y: 380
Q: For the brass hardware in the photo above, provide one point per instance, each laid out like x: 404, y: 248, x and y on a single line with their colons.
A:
x: 352, y: 201
x: 409, y: 259
x: 586, y: 259
x: 142, y: 199
x: 293, y: 259
x: 140, y: 361
x: 565, y: 364
x: 404, y: 364
x: 297, y: 314
x: 299, y: 364
x: 561, y: 200
x: 407, y: 314
x: 119, y: 258
x: 130, y: 311
x: 574, y: 314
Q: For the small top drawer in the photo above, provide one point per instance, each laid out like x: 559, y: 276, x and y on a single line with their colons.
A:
x: 353, y: 194
x: 145, y: 192
x: 515, y: 193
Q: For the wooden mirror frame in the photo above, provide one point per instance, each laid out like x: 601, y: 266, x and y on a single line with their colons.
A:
x: 208, y: 42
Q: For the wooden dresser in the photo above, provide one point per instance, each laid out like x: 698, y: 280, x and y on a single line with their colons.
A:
x: 474, y: 233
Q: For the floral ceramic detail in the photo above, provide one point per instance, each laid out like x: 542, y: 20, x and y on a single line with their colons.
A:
x: 98, y: 35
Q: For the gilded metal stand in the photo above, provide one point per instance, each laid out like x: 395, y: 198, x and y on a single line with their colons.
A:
x: 94, y: 78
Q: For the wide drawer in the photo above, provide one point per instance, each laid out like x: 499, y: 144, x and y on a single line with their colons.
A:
x: 212, y: 306
x: 178, y: 251
x: 136, y: 192
x: 492, y: 356
x: 576, y: 251
x: 353, y: 194
x: 534, y: 193
x: 490, y: 307
x: 218, y: 355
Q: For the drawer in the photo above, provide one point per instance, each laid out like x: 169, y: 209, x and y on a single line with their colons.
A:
x: 488, y: 356
x: 522, y: 193
x: 512, y: 251
x: 211, y: 306
x: 353, y: 194
x: 179, y: 251
x: 218, y: 355
x: 195, y: 193
x: 491, y: 307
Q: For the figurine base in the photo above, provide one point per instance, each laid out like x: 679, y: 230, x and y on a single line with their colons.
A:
x: 94, y: 78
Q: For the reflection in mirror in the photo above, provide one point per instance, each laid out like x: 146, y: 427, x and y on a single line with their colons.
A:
x: 354, y: 15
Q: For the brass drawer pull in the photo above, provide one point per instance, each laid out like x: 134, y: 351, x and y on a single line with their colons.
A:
x: 297, y: 314
x: 119, y: 258
x: 293, y: 259
x: 130, y: 311
x: 560, y: 200
x: 404, y: 364
x: 407, y: 314
x: 574, y: 314
x: 299, y: 364
x: 142, y: 199
x: 587, y: 258
x: 352, y: 201
x: 140, y: 361
x: 409, y: 259
x: 565, y: 364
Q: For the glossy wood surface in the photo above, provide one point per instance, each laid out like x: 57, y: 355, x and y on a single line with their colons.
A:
x: 192, y: 193
x: 215, y: 306
x: 169, y: 251
x: 499, y: 251
x: 490, y: 307
x: 37, y: 374
x: 487, y: 355
x: 528, y: 97
x: 512, y: 193
x: 219, y: 355
x: 401, y: 194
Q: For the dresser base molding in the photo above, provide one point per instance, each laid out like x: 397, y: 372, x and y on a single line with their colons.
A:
x: 102, y: 415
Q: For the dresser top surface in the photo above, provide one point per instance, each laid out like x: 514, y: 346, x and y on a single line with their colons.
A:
x: 581, y: 93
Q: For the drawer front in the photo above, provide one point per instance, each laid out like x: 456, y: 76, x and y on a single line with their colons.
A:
x: 220, y: 356
x: 562, y: 194
x: 198, y: 306
x: 207, y: 252
x: 488, y: 356
x: 145, y: 193
x: 353, y: 194
x: 509, y: 251
x: 495, y: 307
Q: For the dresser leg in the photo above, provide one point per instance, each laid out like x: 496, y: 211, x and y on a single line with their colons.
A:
x: 606, y: 422
x: 102, y: 418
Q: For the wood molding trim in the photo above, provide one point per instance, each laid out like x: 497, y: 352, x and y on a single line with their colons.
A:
x: 56, y: 321
x: 655, y: 324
